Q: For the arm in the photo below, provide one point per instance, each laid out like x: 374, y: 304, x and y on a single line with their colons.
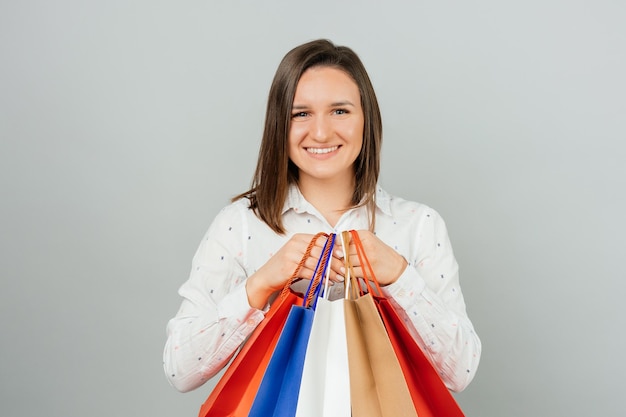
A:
x: 428, y: 294
x: 215, y: 317
x: 222, y: 305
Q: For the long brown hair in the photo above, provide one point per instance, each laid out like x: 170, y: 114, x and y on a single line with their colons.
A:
x: 274, y: 171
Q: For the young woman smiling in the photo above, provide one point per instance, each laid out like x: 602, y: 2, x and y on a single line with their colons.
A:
x: 317, y: 171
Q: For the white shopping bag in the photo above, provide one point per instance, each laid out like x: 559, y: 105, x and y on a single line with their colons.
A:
x: 325, y: 386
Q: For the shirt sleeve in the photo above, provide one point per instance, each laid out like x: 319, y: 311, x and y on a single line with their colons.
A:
x: 428, y: 296
x: 215, y: 317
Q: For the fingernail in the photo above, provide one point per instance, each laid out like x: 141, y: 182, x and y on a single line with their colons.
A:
x: 339, y: 253
x: 340, y: 278
x: 342, y: 270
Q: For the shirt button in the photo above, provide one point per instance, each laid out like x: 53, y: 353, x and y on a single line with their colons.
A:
x: 250, y: 322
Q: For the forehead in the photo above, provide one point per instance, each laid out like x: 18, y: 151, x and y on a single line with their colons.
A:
x: 323, y: 81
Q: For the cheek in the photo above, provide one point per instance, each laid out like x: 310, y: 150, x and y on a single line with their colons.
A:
x: 357, y: 125
x: 296, y: 132
x: 358, y: 139
x: 356, y: 134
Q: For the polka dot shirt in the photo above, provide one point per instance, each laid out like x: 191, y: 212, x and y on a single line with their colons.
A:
x: 215, y: 318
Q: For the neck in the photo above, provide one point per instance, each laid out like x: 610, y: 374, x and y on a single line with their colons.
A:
x: 330, y: 197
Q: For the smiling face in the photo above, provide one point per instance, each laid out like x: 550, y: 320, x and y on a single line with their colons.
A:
x: 326, y: 133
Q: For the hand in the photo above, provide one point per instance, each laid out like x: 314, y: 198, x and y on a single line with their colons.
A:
x: 277, y: 271
x: 387, y: 264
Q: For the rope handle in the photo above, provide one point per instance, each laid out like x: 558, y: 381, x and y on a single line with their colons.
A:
x: 307, y: 253
x: 324, y: 293
x: 320, y: 270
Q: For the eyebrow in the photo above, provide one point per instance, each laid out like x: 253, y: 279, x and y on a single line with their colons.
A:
x: 334, y: 104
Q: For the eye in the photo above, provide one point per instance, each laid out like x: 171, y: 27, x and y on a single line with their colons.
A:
x: 299, y: 114
x: 341, y: 111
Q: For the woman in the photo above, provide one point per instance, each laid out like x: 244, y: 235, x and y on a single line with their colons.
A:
x: 317, y: 171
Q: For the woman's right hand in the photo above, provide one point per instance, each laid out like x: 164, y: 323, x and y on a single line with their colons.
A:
x: 277, y: 271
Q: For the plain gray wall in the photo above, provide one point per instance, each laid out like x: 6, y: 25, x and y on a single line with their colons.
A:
x: 126, y: 125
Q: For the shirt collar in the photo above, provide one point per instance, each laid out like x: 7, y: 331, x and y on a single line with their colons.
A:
x: 383, y: 200
x: 296, y: 201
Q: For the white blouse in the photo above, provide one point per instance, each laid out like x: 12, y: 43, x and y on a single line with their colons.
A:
x: 215, y: 317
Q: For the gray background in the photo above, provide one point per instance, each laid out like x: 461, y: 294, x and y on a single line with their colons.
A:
x: 126, y: 125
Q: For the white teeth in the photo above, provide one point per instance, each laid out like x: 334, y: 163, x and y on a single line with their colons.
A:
x: 322, y: 150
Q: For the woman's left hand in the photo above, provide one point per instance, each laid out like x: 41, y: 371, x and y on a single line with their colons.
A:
x: 387, y: 264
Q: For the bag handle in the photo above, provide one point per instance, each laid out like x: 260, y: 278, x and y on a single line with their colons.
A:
x: 306, y: 255
x: 351, y: 283
x: 368, y: 271
x: 324, y: 293
x: 321, y: 269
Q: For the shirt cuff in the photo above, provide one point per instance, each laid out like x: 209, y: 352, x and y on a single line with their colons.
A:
x: 406, y: 287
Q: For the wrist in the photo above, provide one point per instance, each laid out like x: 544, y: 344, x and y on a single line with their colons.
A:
x: 258, y: 294
x: 402, y: 264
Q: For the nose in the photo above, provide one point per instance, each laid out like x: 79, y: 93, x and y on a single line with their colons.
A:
x: 320, y: 129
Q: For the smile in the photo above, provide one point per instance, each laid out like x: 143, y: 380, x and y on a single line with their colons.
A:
x: 322, y: 150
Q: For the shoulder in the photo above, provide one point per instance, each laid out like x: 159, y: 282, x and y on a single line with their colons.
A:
x: 399, y: 208
x: 411, y: 227
x: 231, y: 217
x: 238, y: 221
x: 235, y: 208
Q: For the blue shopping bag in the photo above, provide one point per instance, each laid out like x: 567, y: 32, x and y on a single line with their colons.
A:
x: 277, y: 395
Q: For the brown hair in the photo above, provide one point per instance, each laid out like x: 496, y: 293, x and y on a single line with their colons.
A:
x: 275, y: 172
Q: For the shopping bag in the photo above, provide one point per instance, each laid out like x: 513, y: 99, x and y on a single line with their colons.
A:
x: 325, y: 386
x: 377, y: 384
x: 277, y: 395
x: 429, y: 394
x: 234, y: 393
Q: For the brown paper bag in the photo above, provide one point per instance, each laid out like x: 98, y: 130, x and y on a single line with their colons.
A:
x: 377, y: 384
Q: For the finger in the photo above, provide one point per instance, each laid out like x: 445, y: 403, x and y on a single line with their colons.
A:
x: 336, y: 265
x: 331, y: 281
x: 357, y: 272
x: 336, y: 275
x: 354, y: 259
x: 311, y: 266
